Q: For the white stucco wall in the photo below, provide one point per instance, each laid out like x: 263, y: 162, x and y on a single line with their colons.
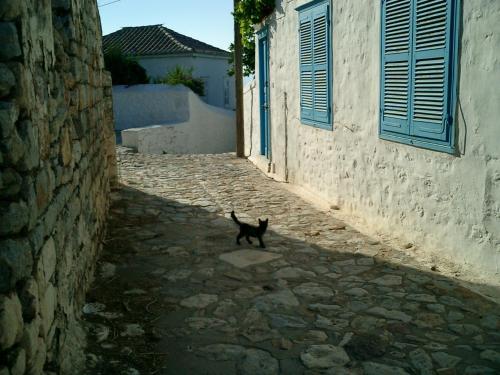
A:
x: 195, y: 127
x: 137, y: 106
x: 213, y: 70
x: 251, y: 119
x: 448, y: 205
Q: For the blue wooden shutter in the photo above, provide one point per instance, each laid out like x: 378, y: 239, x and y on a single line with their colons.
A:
x: 321, y: 81
x: 306, y: 66
x: 431, y: 61
x: 395, y: 79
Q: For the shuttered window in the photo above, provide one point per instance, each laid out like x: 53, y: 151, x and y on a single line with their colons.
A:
x: 314, y: 55
x: 418, y: 69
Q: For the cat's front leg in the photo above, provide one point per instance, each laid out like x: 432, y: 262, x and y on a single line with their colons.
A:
x: 261, y: 243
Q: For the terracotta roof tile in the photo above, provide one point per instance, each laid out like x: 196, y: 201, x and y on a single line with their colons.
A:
x: 156, y: 40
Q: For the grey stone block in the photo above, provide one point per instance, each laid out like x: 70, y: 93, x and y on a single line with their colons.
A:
x: 29, y: 300
x: 16, y: 263
x: 30, y: 340
x: 29, y: 136
x: 18, y: 361
x: 8, y: 117
x: 10, y: 183
x: 10, y: 9
x: 14, y: 217
x: 9, y: 41
x: 11, y: 321
x: 48, y: 302
x: 47, y: 261
x: 61, y: 4
x: 13, y: 148
x: 7, y: 80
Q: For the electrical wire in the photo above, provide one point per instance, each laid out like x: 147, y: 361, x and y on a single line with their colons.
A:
x: 109, y: 3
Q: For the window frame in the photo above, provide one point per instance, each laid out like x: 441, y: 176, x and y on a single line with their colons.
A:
x: 308, y: 7
x: 452, y: 89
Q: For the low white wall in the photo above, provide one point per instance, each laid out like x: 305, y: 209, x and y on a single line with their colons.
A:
x: 206, y: 129
x: 143, y: 105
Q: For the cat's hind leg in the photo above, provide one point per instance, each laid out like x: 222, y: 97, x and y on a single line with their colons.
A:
x: 248, y: 239
x: 240, y: 235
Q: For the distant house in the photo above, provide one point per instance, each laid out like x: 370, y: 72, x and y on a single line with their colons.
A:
x: 389, y: 110
x: 159, y: 49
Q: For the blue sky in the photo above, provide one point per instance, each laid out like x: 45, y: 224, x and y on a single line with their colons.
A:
x: 207, y: 20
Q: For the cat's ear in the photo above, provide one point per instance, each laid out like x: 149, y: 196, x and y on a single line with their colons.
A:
x: 260, y: 221
x: 267, y: 220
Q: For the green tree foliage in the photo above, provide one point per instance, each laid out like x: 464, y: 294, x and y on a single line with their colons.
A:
x: 247, y: 14
x: 125, y: 70
x: 184, y: 76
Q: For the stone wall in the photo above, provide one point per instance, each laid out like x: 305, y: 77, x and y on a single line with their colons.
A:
x: 447, y: 205
x: 56, y: 165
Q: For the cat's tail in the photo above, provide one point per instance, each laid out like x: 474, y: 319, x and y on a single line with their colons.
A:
x: 233, y: 216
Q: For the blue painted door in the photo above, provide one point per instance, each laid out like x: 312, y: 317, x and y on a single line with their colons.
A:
x: 265, y: 131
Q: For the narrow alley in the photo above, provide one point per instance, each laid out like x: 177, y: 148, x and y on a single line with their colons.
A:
x: 175, y: 294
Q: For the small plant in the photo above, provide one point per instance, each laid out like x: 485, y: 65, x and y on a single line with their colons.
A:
x: 184, y: 76
x: 125, y: 70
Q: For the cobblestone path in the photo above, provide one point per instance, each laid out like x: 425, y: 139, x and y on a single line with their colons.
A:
x: 174, y: 294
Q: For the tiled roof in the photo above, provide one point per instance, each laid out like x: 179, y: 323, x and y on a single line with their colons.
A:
x: 156, y: 40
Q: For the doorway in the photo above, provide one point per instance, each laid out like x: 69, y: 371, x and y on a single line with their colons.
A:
x: 265, y: 131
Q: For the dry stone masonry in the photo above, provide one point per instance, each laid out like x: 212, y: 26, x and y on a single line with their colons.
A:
x: 56, y: 167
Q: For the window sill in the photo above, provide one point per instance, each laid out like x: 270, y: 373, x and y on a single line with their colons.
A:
x: 418, y: 142
x: 314, y: 124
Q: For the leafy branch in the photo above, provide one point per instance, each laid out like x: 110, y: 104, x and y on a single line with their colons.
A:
x: 247, y: 14
x: 125, y: 70
x: 184, y: 76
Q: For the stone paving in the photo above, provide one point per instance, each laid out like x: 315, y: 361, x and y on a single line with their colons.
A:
x: 175, y: 294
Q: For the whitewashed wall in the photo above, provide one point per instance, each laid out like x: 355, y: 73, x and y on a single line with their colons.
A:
x: 172, y: 120
x: 251, y: 119
x: 137, y: 106
x: 213, y: 69
x: 448, y: 205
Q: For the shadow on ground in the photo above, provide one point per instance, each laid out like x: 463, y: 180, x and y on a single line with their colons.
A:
x: 168, y: 301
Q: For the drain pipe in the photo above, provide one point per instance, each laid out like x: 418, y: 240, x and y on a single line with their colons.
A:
x: 252, y: 86
x: 286, y: 135
x: 269, y: 129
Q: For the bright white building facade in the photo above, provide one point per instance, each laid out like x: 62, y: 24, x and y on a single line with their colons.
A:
x: 390, y: 110
x: 159, y: 50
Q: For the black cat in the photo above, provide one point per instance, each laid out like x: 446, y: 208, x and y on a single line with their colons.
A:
x: 247, y: 230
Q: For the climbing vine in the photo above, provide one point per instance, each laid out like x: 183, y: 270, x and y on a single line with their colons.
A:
x: 247, y: 14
